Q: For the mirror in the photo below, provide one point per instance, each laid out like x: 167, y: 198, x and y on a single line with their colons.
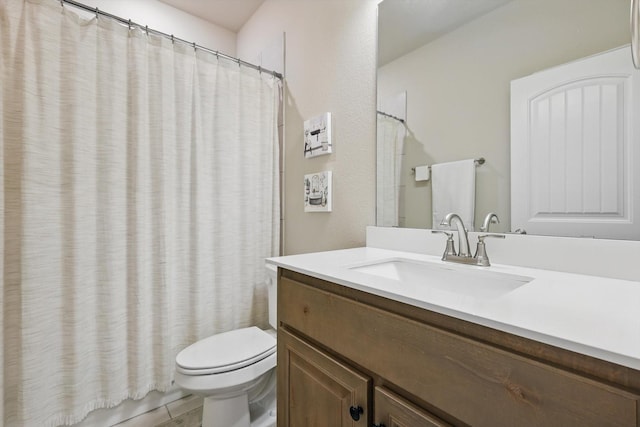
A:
x: 450, y: 79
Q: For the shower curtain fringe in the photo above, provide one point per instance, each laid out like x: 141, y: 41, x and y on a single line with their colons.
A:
x: 129, y: 23
x: 104, y: 403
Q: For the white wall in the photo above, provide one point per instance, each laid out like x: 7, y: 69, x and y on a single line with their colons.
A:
x: 458, y: 91
x: 330, y: 66
x: 169, y: 20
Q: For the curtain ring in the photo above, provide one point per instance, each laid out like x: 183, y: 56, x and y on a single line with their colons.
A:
x: 172, y: 40
x: 260, y: 69
x: 97, y: 12
x: 62, y: 3
x: 195, y: 47
x: 146, y: 29
x: 129, y: 23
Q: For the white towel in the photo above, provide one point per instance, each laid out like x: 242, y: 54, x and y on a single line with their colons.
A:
x: 453, y: 190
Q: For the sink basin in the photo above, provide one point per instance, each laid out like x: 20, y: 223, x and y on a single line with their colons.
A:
x: 443, y: 277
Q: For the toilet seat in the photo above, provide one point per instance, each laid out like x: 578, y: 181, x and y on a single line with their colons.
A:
x: 226, y: 352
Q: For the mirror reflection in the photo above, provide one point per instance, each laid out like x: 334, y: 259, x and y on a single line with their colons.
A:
x: 444, y: 74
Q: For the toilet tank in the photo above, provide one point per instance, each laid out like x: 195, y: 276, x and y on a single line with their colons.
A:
x: 272, y: 289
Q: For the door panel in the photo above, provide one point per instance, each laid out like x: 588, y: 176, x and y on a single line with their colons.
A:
x: 574, y: 149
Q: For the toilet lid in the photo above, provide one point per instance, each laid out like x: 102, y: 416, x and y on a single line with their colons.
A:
x: 227, y: 351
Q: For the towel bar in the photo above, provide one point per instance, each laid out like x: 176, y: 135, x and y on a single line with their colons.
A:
x: 478, y: 162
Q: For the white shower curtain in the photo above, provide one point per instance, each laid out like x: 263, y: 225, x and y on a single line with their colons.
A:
x: 390, y: 149
x: 139, y: 198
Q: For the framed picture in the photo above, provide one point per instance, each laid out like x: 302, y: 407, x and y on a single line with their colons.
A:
x: 317, y: 192
x: 317, y: 136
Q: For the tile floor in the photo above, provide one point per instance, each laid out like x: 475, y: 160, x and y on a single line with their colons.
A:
x: 186, y: 412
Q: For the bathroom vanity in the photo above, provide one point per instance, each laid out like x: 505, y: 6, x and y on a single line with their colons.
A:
x: 358, y: 349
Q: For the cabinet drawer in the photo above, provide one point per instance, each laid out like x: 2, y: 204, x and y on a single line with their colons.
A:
x: 393, y: 411
x: 475, y: 383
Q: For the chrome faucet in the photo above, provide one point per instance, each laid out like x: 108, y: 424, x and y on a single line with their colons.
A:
x: 463, y: 239
x: 464, y: 255
x: 491, y: 218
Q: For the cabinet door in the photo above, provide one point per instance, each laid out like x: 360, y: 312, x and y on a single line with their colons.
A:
x: 393, y: 411
x: 316, y: 390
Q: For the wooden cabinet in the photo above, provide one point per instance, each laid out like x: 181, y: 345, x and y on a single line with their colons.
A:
x: 340, y: 348
x: 320, y: 391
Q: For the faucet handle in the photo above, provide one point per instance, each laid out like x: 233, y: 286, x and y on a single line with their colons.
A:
x: 481, y: 251
x: 450, y: 249
x: 448, y: 233
x: 481, y: 237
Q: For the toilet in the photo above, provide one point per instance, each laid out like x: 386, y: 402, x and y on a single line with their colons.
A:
x: 235, y: 372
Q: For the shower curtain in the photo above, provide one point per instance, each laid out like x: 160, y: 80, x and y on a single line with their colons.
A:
x: 390, y: 149
x: 139, y: 198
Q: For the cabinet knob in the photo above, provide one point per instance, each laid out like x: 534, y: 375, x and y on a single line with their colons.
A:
x: 355, y: 412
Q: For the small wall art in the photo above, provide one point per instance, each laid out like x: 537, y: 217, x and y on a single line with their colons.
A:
x: 317, y: 136
x: 317, y: 192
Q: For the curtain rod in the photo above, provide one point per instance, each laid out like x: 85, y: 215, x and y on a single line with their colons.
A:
x: 391, y: 116
x: 148, y: 30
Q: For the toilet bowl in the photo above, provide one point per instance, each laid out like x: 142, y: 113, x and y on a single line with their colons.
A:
x: 235, y: 373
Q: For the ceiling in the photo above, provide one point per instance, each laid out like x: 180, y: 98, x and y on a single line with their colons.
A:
x: 405, y: 25
x: 229, y: 14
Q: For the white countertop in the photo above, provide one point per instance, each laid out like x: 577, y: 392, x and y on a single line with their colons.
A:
x: 596, y: 316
